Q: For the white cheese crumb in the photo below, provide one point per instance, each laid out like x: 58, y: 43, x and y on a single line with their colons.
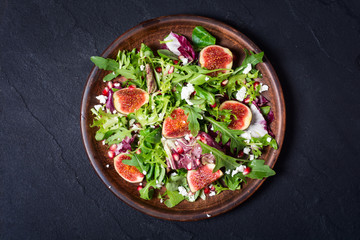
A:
x: 102, y: 99
x: 109, y: 186
x: 246, y: 150
x: 212, y: 128
x: 161, y: 200
x: 186, y: 92
x: 161, y: 115
x: 107, y: 165
x: 182, y: 191
x: 173, y: 174
x: 144, y: 172
x: 140, y: 184
x: 103, y: 142
x: 227, y: 171
x: 268, y: 139
x: 191, y: 198
x: 263, y: 87
x: 131, y: 122
x: 97, y: 107
x: 208, y: 215
x: 251, y: 157
x: 237, y: 170
x: 184, y: 60
x: 187, y: 137
x: 142, y: 67
x: 212, y: 193
x: 207, y: 78
x: 114, y: 112
x: 240, y: 95
x: 117, y: 84
x: 246, y: 135
x: 247, y: 69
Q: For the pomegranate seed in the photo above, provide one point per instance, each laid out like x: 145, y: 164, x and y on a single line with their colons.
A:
x: 224, y: 83
x: 132, y: 86
x: 247, y: 100
x: 158, y: 69
x: 173, y: 89
x: 203, y: 140
x: 256, y: 84
x: 213, y: 105
x: 193, y: 93
x: 246, y: 171
x: 171, y: 70
x: 139, y: 188
x: 176, y: 61
x: 206, y: 190
x: 105, y: 92
x: 241, y: 154
x: 111, y: 154
x: 212, y: 188
x: 113, y: 147
x: 179, y: 150
x: 110, y: 85
x: 138, y: 151
x: 175, y: 156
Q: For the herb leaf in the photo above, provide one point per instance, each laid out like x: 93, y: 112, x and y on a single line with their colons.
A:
x: 222, y: 160
x: 147, y: 192
x: 202, y: 38
x: 174, y: 198
x: 259, y: 170
x: 227, y: 134
x: 194, y: 114
x: 105, y: 63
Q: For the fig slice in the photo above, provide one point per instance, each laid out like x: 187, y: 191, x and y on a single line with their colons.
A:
x: 176, y: 125
x: 241, y: 111
x: 215, y: 57
x: 128, y: 100
x: 127, y: 172
x: 203, y: 176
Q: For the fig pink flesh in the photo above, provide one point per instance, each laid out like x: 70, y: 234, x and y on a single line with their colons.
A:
x: 128, y: 100
x: 215, y: 57
x: 203, y: 176
x: 241, y: 111
x: 176, y: 125
x: 127, y: 172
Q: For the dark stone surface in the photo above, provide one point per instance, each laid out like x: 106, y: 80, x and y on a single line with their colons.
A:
x: 48, y: 189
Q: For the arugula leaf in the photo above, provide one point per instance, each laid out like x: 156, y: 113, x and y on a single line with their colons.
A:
x: 105, y: 63
x: 174, y: 182
x: 209, y: 97
x: 259, y: 170
x: 236, y: 142
x: 147, y: 192
x: 202, y: 38
x: 222, y: 160
x: 251, y: 58
x: 174, y: 198
x: 136, y: 161
x: 164, y: 53
x: 194, y: 114
x: 234, y: 182
x: 265, y: 110
x: 151, y: 135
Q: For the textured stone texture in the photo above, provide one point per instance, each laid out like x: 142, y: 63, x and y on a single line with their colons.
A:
x: 48, y: 189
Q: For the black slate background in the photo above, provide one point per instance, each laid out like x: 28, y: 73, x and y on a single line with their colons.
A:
x: 48, y: 189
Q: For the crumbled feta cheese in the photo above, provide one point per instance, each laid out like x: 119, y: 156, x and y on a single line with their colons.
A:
x: 102, y: 99
x: 97, y: 107
x: 186, y: 92
x: 152, y: 107
x: 184, y: 60
x: 182, y: 191
x: 208, y: 215
x: 173, y: 174
x: 263, y: 87
x: 117, y: 84
x: 142, y: 67
x: 158, y: 185
x: 247, y: 141
x: 187, y: 137
x: 192, y: 198
x: 241, y: 94
x: 103, y: 142
x: 227, y: 171
x: 114, y: 111
x: 246, y: 150
x: 212, y: 128
x: 237, y: 170
x: 246, y: 135
x: 140, y: 184
x: 161, y: 200
x: 212, y: 193
x: 107, y: 165
x: 131, y: 122
x: 207, y: 78
x: 251, y: 157
x: 144, y: 172
x: 247, y: 69
x: 161, y: 115
x: 268, y: 139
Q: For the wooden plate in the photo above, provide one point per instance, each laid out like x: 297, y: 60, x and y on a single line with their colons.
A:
x: 150, y: 32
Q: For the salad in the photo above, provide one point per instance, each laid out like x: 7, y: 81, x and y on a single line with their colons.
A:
x: 181, y: 123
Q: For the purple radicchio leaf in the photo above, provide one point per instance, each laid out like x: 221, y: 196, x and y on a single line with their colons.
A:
x: 109, y: 102
x: 125, y: 145
x: 180, y: 46
x: 258, y: 126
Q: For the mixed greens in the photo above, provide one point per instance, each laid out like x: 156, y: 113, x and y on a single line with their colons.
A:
x: 173, y: 80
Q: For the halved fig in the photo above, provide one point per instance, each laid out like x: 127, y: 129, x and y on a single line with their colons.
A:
x: 176, y: 125
x: 127, y: 172
x: 241, y: 111
x: 203, y: 176
x: 128, y: 100
x: 215, y: 57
